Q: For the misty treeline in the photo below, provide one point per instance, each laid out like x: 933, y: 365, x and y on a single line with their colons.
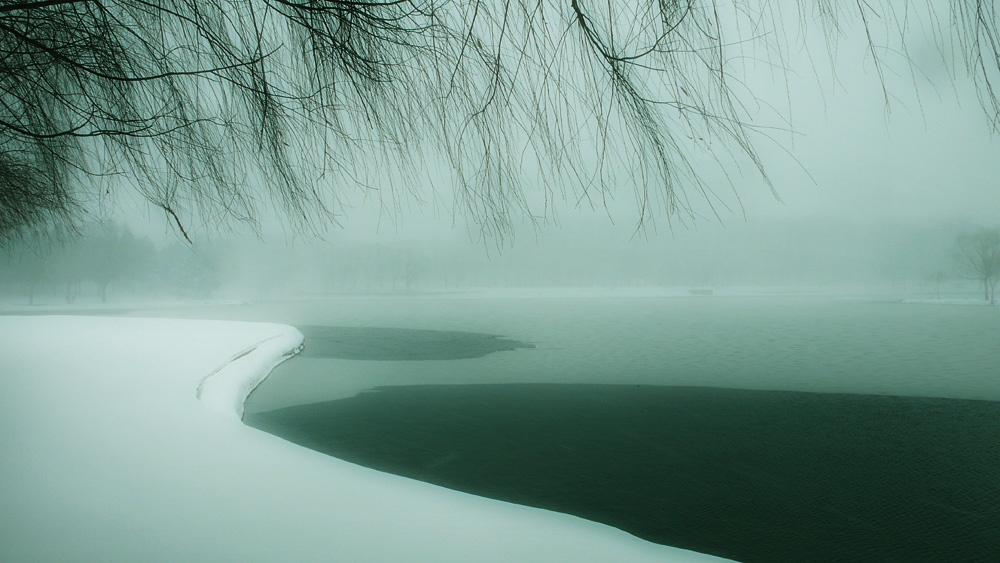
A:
x: 978, y: 255
x: 218, y: 111
x: 108, y: 263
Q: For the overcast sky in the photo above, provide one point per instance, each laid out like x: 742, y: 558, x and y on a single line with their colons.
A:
x: 927, y: 156
x: 867, y: 194
x: 840, y: 156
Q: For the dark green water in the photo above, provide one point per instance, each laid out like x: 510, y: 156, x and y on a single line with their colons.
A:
x: 749, y: 475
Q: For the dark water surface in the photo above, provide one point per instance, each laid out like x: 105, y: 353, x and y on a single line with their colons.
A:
x: 750, y: 475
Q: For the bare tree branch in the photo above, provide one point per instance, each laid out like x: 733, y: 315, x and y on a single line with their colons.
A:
x: 227, y: 109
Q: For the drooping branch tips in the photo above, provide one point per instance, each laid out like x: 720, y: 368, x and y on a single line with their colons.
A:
x: 218, y: 111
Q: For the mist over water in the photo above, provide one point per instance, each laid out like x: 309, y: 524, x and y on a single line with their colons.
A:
x: 756, y: 377
x: 801, y: 343
x: 773, y: 355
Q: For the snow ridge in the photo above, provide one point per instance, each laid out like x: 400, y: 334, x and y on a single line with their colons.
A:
x: 226, y: 389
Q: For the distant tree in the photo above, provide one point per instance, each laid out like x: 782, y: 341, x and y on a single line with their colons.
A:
x: 34, y: 272
x: 935, y: 279
x: 105, y: 253
x: 188, y: 272
x: 979, y: 259
x: 29, y: 269
x: 225, y: 108
x: 414, y: 266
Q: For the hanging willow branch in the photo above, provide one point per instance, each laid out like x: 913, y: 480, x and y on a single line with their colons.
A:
x: 218, y: 111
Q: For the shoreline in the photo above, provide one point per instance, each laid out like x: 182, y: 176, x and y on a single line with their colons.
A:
x: 227, y: 388
x: 110, y: 455
x: 771, y: 475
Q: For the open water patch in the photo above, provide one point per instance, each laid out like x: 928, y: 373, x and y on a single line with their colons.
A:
x: 749, y: 475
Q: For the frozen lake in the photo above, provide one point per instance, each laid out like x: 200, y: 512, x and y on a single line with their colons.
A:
x: 757, y: 428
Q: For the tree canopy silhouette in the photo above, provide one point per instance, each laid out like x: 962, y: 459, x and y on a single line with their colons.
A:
x: 978, y: 255
x: 216, y: 110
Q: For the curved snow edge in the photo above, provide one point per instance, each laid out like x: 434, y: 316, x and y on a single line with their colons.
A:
x: 226, y: 389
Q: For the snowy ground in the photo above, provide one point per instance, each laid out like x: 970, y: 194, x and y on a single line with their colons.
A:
x: 108, y: 454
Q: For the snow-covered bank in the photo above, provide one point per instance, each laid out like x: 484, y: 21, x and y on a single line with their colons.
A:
x: 226, y: 389
x: 107, y: 454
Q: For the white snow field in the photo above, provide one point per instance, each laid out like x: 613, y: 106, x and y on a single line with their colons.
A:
x: 107, y: 454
